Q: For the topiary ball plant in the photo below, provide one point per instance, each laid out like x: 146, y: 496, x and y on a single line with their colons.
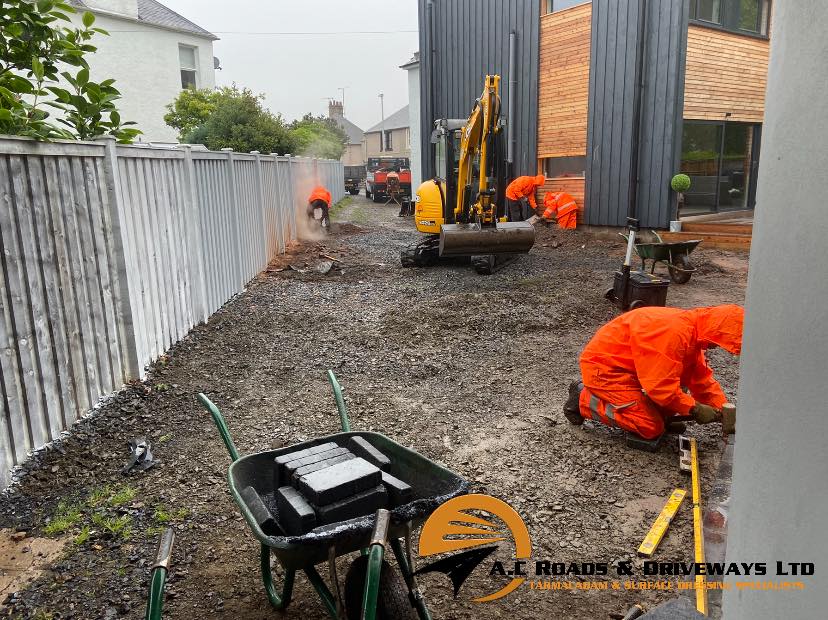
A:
x: 680, y: 183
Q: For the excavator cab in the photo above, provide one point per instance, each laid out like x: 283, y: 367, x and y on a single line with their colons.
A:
x: 462, y: 209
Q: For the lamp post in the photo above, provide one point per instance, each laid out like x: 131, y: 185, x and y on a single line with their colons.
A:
x: 382, y: 123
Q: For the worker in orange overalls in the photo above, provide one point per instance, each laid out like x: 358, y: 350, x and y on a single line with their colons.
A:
x: 634, y: 368
x: 521, y: 193
x: 320, y: 198
x: 564, y: 205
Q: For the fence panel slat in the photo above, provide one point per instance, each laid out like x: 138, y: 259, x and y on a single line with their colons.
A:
x: 110, y: 254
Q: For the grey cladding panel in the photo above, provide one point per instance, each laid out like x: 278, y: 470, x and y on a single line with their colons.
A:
x: 461, y: 41
x: 611, y: 132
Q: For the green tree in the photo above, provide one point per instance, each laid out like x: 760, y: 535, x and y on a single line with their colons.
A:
x: 318, y: 136
x: 238, y: 121
x: 37, y: 39
x: 192, y: 108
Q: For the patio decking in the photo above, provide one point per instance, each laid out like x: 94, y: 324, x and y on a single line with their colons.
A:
x: 730, y: 230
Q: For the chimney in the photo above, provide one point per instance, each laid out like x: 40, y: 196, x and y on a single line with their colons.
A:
x: 335, y: 109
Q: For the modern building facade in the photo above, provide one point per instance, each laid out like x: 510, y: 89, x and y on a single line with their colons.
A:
x: 390, y: 137
x: 628, y: 93
x: 153, y: 53
x: 353, y: 155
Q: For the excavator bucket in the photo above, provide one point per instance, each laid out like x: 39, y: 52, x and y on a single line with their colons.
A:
x: 474, y: 240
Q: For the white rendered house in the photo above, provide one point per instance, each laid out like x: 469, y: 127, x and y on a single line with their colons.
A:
x: 152, y: 52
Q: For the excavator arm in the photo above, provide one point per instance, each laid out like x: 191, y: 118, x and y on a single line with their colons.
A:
x: 466, y: 216
x: 477, y: 139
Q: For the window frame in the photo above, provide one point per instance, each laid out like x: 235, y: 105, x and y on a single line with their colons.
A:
x: 194, y: 70
x: 549, y: 6
x: 388, y: 140
x: 546, y: 170
x: 728, y: 16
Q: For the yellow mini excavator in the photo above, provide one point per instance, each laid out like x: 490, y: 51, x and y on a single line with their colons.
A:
x: 463, y: 209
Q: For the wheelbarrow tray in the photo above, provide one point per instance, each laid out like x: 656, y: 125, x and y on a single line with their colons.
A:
x: 431, y: 486
x: 664, y: 250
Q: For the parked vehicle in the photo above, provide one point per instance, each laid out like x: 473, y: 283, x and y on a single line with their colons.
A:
x: 354, y: 177
x: 377, y: 176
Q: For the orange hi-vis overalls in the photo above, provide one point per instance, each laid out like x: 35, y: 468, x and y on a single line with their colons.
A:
x: 320, y: 193
x: 564, y: 205
x: 524, y: 187
x: 635, y: 366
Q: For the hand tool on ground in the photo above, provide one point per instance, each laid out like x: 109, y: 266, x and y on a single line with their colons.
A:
x: 660, y: 525
x: 698, y: 528
x: 685, y: 465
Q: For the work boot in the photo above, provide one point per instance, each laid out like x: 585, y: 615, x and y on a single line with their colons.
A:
x: 675, y: 427
x: 571, y: 409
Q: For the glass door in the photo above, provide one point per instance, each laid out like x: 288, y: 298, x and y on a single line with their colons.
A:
x: 700, y: 146
x: 721, y: 159
x: 734, y: 176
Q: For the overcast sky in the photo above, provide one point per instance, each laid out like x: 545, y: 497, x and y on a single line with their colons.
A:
x: 298, y: 73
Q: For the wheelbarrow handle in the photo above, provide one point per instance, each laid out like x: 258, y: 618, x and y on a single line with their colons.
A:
x: 158, y: 577
x: 340, y: 402
x: 221, y: 425
x: 376, y: 555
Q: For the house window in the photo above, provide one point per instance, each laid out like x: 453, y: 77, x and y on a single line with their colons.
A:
x: 721, y: 158
x: 388, y: 143
x: 187, y: 57
x: 553, y: 6
x: 556, y: 167
x: 746, y: 16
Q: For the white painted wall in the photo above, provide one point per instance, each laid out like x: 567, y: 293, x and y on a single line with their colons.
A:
x: 144, y: 62
x: 780, y: 473
x: 414, y: 124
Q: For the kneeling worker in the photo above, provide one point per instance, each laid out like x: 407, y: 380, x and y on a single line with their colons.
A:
x: 634, y: 368
x: 521, y: 192
x: 320, y: 198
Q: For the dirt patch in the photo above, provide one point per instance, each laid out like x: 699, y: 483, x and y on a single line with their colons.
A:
x: 23, y: 559
x: 470, y: 371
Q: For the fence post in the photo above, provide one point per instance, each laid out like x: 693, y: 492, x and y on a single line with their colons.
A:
x: 234, y: 215
x: 117, y: 242
x: 279, y: 205
x: 194, y: 245
x: 291, y: 214
x: 262, y: 212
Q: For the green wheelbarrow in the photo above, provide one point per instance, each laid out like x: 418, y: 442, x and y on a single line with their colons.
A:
x: 675, y: 255
x: 373, y: 590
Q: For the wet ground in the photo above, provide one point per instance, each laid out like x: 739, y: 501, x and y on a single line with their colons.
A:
x: 469, y: 370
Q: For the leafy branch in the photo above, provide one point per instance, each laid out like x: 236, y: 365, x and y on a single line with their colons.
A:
x: 43, y: 67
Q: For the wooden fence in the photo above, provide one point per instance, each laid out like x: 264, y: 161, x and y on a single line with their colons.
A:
x: 110, y: 254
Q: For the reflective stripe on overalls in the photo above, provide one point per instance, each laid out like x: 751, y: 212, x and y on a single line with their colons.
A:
x: 608, y: 415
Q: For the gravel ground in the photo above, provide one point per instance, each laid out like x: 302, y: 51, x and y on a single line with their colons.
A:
x: 469, y: 370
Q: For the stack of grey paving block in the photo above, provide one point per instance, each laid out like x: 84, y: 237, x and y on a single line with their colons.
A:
x: 329, y: 483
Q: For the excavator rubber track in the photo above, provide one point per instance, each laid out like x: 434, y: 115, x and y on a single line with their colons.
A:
x: 422, y: 254
x: 492, y: 263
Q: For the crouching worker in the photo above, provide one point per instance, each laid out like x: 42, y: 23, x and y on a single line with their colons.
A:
x: 562, y: 206
x: 521, y: 193
x: 634, y: 368
x: 320, y: 198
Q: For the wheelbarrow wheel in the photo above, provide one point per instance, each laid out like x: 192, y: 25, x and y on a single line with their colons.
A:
x: 685, y: 269
x: 393, y: 602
